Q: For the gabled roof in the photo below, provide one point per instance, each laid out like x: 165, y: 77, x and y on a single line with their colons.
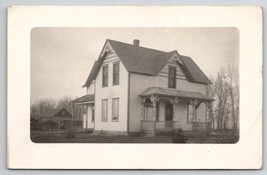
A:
x: 137, y: 59
x: 95, y: 69
x: 194, y: 73
x: 85, y: 98
x: 62, y: 113
x: 174, y: 93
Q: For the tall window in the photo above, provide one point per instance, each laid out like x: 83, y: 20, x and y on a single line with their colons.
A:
x: 93, y: 114
x: 115, y: 109
x: 105, y: 76
x: 104, y: 110
x: 189, y: 113
x: 116, y: 73
x: 172, y: 77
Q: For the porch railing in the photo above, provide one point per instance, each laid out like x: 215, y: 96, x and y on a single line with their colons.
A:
x: 200, y: 126
x: 159, y: 125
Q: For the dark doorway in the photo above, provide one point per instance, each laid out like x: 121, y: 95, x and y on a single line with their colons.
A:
x: 168, y: 116
x: 168, y: 111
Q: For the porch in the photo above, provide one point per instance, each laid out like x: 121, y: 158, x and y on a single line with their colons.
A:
x: 83, y: 108
x: 169, y: 126
x: 159, y: 126
x: 165, y: 110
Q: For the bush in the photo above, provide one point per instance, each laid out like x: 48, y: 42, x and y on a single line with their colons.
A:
x: 70, y: 134
x: 34, y: 124
x: 179, y: 137
x: 49, y: 125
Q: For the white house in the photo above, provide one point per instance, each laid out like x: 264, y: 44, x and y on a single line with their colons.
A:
x: 136, y: 89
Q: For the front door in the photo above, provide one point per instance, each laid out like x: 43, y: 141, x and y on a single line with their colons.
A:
x: 168, y: 115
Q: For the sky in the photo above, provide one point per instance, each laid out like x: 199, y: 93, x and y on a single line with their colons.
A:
x: 61, y: 58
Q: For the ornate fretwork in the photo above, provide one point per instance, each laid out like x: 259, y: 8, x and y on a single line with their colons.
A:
x: 107, y: 48
x: 174, y: 101
x: 154, y: 99
x: 176, y: 57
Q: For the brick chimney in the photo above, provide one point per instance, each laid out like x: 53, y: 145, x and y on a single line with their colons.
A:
x: 136, y: 42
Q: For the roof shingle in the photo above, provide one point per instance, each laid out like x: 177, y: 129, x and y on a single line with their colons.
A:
x: 85, y: 98
x: 137, y: 59
x: 175, y: 93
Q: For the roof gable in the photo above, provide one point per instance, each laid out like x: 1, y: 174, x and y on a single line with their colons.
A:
x: 173, y: 62
x: 62, y: 113
x: 95, y: 69
x: 137, y: 59
x: 193, y: 72
x: 85, y: 99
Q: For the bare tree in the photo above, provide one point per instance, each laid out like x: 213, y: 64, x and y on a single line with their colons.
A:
x: 64, y: 103
x: 232, y: 74
x: 224, y: 113
x: 43, y: 108
x: 211, y: 90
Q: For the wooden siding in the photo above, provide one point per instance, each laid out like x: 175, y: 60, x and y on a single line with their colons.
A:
x: 111, y: 91
x: 165, y: 71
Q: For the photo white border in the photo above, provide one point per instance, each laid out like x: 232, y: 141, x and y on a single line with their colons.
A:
x: 23, y: 153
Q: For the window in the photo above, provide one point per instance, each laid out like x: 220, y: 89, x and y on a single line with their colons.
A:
x: 189, y: 113
x: 104, y: 110
x: 116, y: 73
x: 105, y: 76
x: 93, y: 114
x: 115, y: 109
x: 172, y: 77
x: 157, y: 111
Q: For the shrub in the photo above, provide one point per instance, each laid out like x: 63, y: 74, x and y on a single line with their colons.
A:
x: 49, y: 125
x: 179, y: 137
x: 70, y: 134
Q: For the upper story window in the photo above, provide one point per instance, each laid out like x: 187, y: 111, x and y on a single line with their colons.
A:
x: 172, y: 77
x: 116, y: 73
x: 105, y: 76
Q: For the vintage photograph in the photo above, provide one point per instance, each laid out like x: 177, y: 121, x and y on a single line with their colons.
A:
x: 134, y: 85
x: 114, y: 87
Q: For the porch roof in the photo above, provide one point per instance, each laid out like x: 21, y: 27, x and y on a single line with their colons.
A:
x: 85, y: 99
x: 174, y: 93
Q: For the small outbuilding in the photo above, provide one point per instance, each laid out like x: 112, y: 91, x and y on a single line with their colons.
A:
x: 64, y: 120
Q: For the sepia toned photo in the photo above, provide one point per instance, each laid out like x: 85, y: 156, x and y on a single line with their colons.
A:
x: 134, y: 85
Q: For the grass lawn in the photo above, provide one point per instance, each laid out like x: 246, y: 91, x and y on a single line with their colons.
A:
x: 50, y: 137
x: 222, y: 138
x: 89, y: 138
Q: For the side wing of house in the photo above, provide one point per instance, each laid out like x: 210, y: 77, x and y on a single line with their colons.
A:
x: 182, y: 111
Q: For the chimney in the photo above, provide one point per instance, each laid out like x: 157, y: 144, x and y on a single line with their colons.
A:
x: 136, y: 42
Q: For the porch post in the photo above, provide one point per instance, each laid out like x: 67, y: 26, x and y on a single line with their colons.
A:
x: 154, y: 116
x: 83, y: 116
x: 209, y: 118
x: 154, y: 99
x: 194, y: 104
x: 206, y: 118
x: 174, y: 102
x: 72, y: 110
x: 142, y: 113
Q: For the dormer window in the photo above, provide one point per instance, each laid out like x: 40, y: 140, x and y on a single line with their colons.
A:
x: 172, y: 77
x: 105, y: 76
